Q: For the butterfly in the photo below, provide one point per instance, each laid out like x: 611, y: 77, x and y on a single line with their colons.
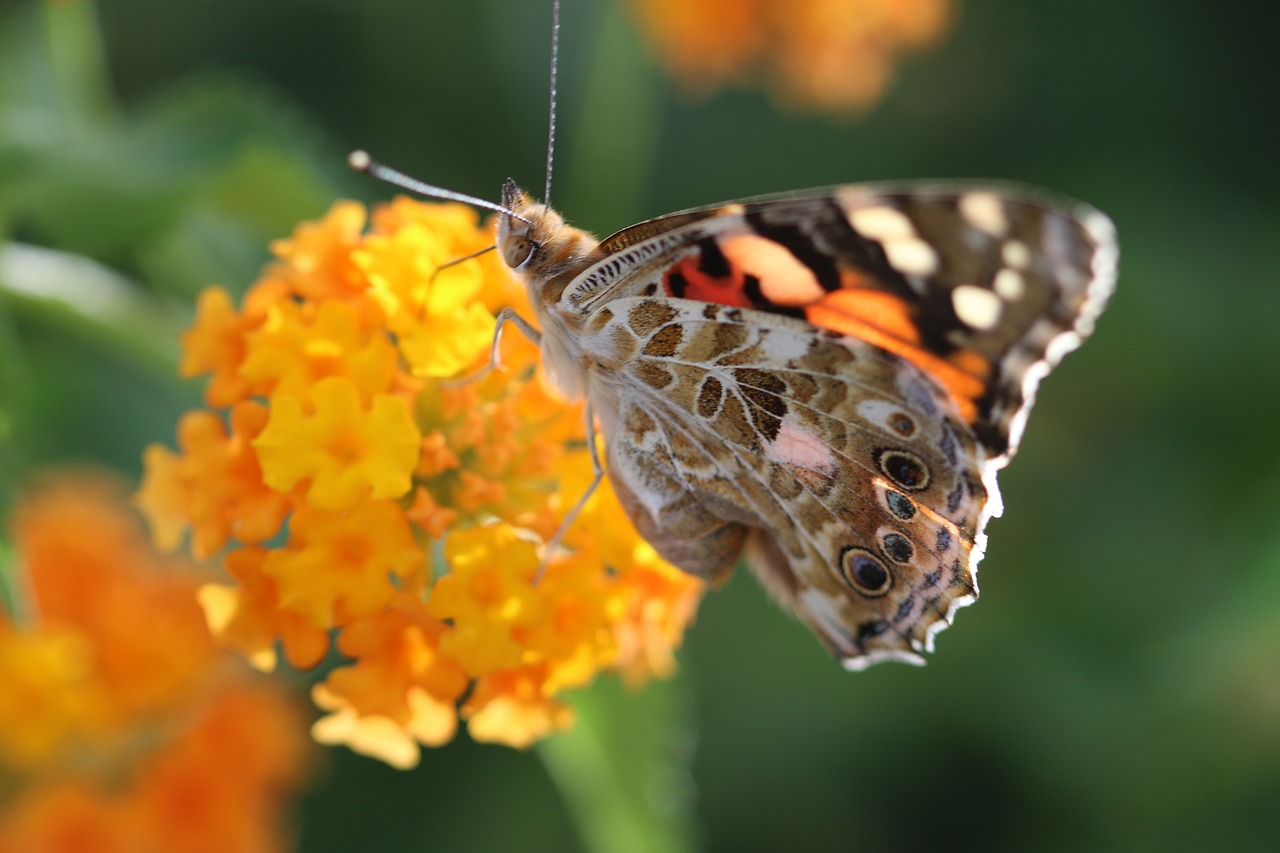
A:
x: 821, y: 383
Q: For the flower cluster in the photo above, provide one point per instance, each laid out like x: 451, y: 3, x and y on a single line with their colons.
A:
x: 832, y: 56
x: 122, y: 726
x: 360, y: 490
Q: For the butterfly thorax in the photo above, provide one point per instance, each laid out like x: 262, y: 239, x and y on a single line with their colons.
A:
x: 547, y: 254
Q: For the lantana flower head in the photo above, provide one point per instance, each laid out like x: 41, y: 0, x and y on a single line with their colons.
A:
x: 834, y: 56
x: 122, y: 725
x: 358, y: 487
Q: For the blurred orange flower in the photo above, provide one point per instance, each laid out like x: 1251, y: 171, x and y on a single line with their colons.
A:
x: 357, y: 490
x: 122, y: 726
x: 834, y: 56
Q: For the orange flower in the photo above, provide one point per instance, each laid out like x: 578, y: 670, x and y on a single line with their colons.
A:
x: 316, y: 262
x: 216, y: 488
x: 832, y: 56
x: 45, y: 703
x: 216, y: 345
x: 91, y: 573
x: 121, y: 725
x: 401, y: 691
x: 340, y: 564
x: 247, y: 617
x: 512, y: 707
x: 338, y: 374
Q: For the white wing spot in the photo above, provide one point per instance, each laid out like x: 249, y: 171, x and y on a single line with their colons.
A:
x: 1016, y: 254
x: 892, y: 229
x: 882, y: 223
x: 911, y: 256
x: 976, y: 307
x: 879, y: 413
x: 985, y: 211
x: 1009, y: 285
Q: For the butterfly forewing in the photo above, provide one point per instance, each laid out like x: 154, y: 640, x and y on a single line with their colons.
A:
x: 977, y: 286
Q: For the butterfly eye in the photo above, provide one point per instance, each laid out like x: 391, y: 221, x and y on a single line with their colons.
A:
x: 516, y: 250
x: 865, y: 572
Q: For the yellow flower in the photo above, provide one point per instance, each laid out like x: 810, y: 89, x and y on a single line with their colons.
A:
x: 331, y: 378
x: 338, y: 565
x: 290, y: 352
x: 347, y: 453
x: 488, y: 595
x: 833, y: 56
x: 434, y: 313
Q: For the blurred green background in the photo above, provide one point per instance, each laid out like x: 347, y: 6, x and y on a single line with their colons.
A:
x: 1118, y: 686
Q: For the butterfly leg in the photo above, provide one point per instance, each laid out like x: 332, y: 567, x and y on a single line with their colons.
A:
x: 506, y: 315
x: 431, y: 283
x: 597, y: 471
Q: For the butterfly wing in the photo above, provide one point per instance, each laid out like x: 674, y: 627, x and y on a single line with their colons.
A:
x: 985, y: 288
x: 845, y: 470
x: 833, y: 379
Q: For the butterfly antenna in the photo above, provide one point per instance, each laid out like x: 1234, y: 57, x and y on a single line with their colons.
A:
x: 551, y: 121
x: 362, y: 162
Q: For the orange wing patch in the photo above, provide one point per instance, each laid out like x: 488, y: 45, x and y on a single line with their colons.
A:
x: 750, y: 271
x: 743, y: 270
x: 884, y: 320
x: 691, y: 279
x: 783, y: 279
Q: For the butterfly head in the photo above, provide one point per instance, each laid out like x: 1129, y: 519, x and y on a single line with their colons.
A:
x: 537, y: 245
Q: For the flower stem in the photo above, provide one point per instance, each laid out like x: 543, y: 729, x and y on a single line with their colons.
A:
x: 615, y: 151
x: 80, y: 63
x: 623, y: 768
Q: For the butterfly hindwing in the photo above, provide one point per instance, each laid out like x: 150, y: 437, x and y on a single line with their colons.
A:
x: 851, y: 471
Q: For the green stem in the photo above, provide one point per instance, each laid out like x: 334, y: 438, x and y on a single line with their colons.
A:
x: 622, y: 769
x: 15, y: 592
x: 80, y: 64
x: 615, y: 150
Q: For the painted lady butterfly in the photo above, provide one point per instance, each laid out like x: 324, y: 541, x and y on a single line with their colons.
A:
x: 825, y: 382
